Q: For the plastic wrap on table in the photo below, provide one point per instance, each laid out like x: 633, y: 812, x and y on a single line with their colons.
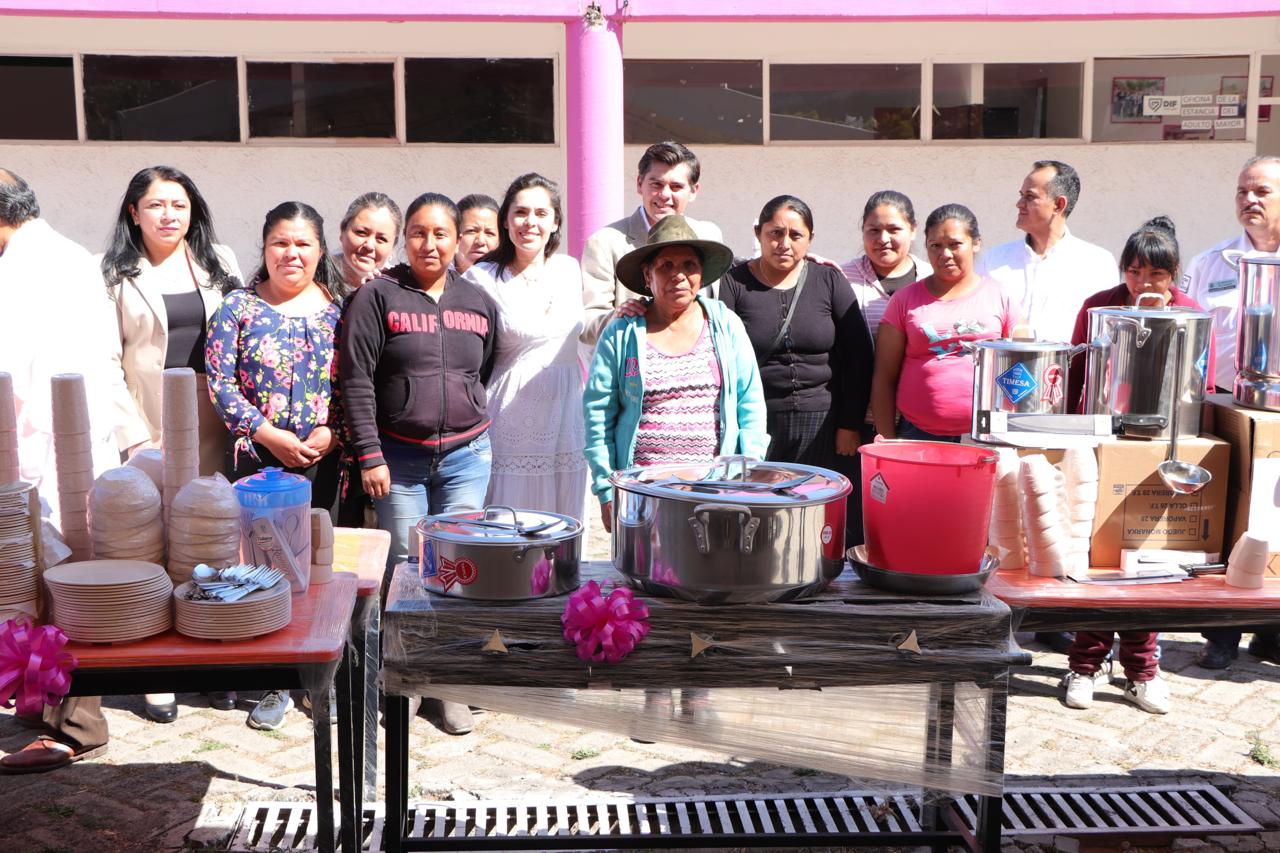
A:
x: 845, y: 682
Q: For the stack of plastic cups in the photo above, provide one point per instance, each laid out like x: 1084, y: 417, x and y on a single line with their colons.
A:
x: 9, y: 470
x: 180, y: 433
x: 321, y: 546
x: 73, y: 451
x: 1248, y: 562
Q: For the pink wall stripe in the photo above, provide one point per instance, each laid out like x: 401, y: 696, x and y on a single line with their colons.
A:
x: 645, y: 10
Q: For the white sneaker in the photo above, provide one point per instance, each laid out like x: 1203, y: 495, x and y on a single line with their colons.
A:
x: 1151, y: 696
x: 1080, y: 688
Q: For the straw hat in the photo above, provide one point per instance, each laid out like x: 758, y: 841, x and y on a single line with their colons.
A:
x: 673, y: 230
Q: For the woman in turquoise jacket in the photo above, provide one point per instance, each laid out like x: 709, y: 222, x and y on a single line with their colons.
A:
x: 678, y: 382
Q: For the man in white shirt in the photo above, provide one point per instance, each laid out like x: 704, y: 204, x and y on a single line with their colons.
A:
x: 56, y: 318
x: 667, y: 182
x: 1213, y: 284
x: 1050, y: 272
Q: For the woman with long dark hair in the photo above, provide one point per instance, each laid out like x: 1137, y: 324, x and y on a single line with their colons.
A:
x: 537, y: 434
x: 166, y: 274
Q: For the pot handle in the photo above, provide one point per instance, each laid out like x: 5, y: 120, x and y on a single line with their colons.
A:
x: 515, y: 519
x: 741, y: 459
x: 747, y: 526
x: 1232, y: 258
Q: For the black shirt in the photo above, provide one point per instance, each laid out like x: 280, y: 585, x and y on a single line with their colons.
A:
x: 186, y: 323
x: 824, y: 360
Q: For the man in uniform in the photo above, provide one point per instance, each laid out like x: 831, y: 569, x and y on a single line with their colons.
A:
x: 1213, y: 283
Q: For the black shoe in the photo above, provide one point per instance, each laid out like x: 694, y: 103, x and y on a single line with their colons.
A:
x: 1059, y: 641
x: 163, y: 712
x: 1217, y: 655
x: 222, y: 701
x: 1265, y: 647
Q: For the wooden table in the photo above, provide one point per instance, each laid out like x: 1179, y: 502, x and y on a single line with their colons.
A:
x: 312, y: 653
x: 1059, y: 604
x: 847, y: 636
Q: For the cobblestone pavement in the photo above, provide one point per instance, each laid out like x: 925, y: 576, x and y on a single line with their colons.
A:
x: 162, y: 788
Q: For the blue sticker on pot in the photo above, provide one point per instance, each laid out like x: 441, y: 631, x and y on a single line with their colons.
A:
x: 1016, y: 383
x: 428, y: 559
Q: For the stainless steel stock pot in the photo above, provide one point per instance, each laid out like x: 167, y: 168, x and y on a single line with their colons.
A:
x: 1026, y: 377
x: 729, y: 531
x: 499, y: 554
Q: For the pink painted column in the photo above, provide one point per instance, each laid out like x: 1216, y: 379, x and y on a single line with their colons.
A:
x: 593, y: 112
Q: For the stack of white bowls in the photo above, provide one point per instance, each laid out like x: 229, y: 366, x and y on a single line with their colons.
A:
x: 124, y: 517
x: 204, y: 527
x: 19, y: 559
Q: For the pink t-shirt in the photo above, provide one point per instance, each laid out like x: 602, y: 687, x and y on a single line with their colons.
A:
x: 935, y: 388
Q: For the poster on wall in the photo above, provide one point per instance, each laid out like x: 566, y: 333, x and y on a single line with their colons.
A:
x: 1126, y: 99
x: 1239, y: 86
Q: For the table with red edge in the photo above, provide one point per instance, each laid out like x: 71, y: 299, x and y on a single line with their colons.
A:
x: 1060, y: 604
x: 324, y: 645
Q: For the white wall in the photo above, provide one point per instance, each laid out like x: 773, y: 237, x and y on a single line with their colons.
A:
x: 1123, y: 185
x: 80, y: 187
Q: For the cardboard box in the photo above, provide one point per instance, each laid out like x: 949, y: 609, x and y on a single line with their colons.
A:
x: 1253, y: 502
x: 1137, y: 510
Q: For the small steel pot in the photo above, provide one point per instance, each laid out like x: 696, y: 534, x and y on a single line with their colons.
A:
x: 1023, y: 377
x: 730, y: 531
x: 499, y: 554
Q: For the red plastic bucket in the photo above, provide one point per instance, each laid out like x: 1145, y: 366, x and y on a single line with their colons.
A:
x: 926, y: 505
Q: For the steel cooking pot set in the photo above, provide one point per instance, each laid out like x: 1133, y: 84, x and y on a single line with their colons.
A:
x: 725, y: 532
x: 1257, y: 382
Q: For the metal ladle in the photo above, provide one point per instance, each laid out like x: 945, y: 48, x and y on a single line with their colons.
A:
x: 1183, y: 478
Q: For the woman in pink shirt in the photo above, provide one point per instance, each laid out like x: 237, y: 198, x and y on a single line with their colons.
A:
x: 923, y: 372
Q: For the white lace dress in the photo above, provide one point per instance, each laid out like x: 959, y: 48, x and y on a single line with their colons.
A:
x: 535, y: 393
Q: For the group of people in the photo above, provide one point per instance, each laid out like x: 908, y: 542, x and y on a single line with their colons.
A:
x: 486, y: 366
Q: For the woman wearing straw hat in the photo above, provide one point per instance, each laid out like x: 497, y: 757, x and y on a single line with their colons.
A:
x: 679, y: 382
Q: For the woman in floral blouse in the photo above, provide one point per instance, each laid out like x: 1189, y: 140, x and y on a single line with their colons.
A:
x: 270, y: 355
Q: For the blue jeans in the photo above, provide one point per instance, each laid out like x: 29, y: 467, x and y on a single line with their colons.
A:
x: 906, y: 429
x: 425, y: 483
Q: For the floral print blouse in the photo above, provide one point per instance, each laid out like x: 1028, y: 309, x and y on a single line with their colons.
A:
x: 266, y: 366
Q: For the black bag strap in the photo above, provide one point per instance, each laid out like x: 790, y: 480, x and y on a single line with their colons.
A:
x: 791, y: 310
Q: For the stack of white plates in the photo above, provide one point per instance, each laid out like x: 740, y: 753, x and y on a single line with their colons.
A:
x: 19, y: 574
x: 258, y: 613
x: 110, y: 601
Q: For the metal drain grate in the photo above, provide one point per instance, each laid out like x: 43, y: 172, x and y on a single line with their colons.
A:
x: 1182, y: 810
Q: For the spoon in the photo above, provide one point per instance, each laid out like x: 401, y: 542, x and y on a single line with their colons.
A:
x: 1182, y: 478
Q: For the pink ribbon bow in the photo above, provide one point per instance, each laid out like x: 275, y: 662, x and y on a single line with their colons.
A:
x: 604, y: 628
x: 34, y: 670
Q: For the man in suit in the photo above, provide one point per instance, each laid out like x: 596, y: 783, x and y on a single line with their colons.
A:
x: 667, y: 181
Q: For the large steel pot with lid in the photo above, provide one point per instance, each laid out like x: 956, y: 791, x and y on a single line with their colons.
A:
x: 729, y: 531
x: 1257, y: 382
x: 499, y: 554
x: 1025, y: 377
x: 1133, y: 361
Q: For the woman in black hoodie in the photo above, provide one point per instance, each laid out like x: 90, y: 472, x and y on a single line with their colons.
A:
x: 417, y: 350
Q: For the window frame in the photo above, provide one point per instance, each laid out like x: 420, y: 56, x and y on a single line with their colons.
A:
x: 557, y: 107
x: 397, y: 87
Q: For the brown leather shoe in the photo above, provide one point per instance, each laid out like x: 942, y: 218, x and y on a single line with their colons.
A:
x: 44, y: 754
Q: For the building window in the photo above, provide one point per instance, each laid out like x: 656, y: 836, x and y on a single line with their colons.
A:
x: 480, y: 100
x: 1014, y: 100
x: 318, y: 99
x: 1157, y: 98
x: 161, y: 98
x: 707, y: 102
x: 39, y: 99
x: 854, y: 102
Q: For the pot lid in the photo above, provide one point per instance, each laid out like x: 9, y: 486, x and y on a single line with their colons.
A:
x: 1014, y: 345
x: 1172, y: 313
x: 733, y: 479
x: 500, y: 526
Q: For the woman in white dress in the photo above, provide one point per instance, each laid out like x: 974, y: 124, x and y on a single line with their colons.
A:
x: 535, y: 395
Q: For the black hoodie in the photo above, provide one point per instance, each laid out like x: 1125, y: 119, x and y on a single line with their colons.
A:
x: 414, y: 369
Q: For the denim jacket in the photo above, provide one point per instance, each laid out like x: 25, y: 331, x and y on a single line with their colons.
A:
x: 614, y: 394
